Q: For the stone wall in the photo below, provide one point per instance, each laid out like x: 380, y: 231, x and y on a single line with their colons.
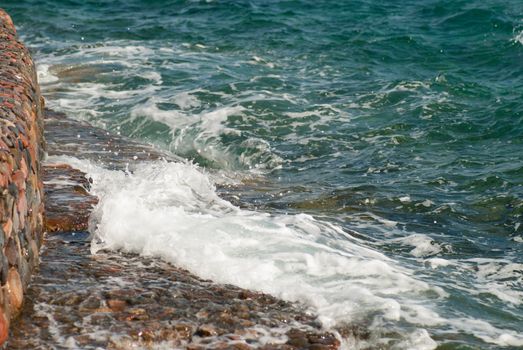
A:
x: 21, y: 189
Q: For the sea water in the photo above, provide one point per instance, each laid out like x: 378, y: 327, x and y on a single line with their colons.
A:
x: 364, y: 157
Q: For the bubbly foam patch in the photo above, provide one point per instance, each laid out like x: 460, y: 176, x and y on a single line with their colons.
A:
x: 200, y: 133
x: 113, y: 84
x: 422, y: 245
x: 44, y: 75
x: 171, y: 210
x: 519, y: 38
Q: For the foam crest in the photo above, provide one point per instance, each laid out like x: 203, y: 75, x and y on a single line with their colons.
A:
x: 171, y: 210
x: 44, y: 75
x: 500, y: 278
x: 422, y: 245
x: 519, y: 38
x: 489, y: 333
x: 200, y: 133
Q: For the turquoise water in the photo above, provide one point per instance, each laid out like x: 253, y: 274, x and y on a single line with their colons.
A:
x: 399, y: 121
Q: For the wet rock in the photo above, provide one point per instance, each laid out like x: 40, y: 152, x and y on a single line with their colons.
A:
x: 79, y: 287
x: 146, y: 335
x: 11, y: 252
x: 183, y: 330
x: 68, y: 299
x: 5, y: 270
x: 24, y: 269
x: 7, y: 228
x: 137, y: 314
x: 241, y: 346
x: 33, y: 252
x: 206, y: 331
x: 15, y: 289
x: 325, y: 340
x: 4, y: 327
x: 297, y: 339
x: 67, y: 207
x: 91, y: 303
x: 117, y: 305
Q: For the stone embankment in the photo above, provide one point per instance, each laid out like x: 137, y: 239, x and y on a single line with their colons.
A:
x: 21, y: 189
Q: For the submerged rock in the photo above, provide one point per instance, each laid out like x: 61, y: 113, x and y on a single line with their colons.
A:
x: 68, y: 202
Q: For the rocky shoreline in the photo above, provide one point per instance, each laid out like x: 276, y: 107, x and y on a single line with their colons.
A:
x: 113, y: 300
x: 109, y: 300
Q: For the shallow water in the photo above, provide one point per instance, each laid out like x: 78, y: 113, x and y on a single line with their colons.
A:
x: 375, y: 149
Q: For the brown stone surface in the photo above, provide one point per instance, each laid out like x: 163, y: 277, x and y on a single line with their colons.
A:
x: 14, y: 286
x: 4, y: 328
x: 21, y: 189
x: 68, y: 202
x: 122, y: 301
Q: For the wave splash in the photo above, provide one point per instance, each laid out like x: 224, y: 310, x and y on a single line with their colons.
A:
x: 171, y: 210
x: 114, y: 86
x: 519, y: 38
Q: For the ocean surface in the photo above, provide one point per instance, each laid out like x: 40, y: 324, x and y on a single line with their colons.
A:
x: 362, y: 157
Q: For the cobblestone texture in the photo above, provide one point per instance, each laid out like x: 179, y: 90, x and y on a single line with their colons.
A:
x: 21, y: 189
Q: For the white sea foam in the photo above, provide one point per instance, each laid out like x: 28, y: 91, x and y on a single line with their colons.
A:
x: 423, y: 245
x: 405, y: 199
x: 44, y: 75
x: 172, y: 211
x: 489, y: 333
x: 438, y: 262
x: 518, y: 38
x: 500, y: 278
x: 419, y: 340
x: 153, y: 76
x: 300, y: 115
x: 186, y: 100
x: 199, y: 132
x: 259, y: 60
